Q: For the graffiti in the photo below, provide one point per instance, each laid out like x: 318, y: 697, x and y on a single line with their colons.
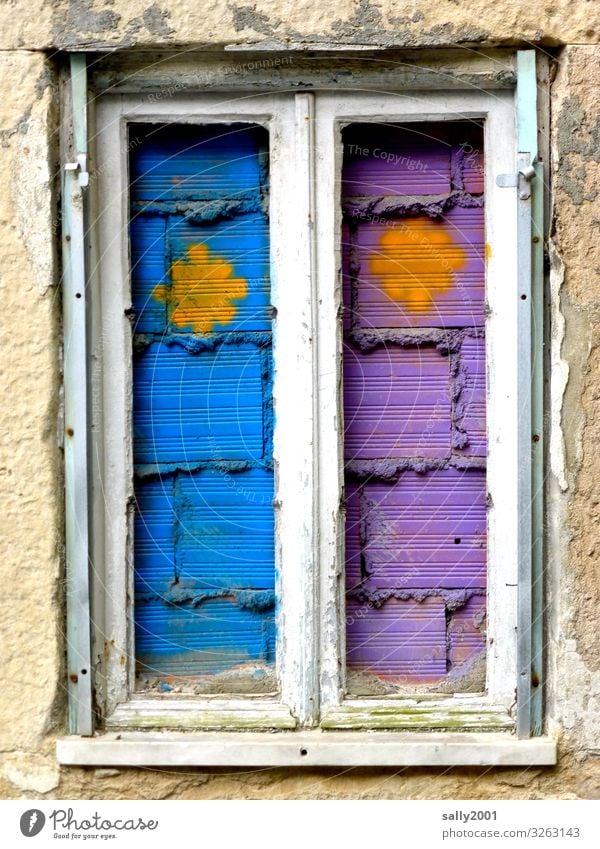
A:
x: 416, y: 263
x: 202, y: 291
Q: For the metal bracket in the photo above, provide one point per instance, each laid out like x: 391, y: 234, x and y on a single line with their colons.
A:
x: 511, y: 181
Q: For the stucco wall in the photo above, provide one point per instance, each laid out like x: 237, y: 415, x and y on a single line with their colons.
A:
x: 32, y: 703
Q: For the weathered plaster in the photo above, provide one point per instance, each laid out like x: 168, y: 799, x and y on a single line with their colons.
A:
x: 30, y: 469
x: 574, y: 598
x: 296, y: 24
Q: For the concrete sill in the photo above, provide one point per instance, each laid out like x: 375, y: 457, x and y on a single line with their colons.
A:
x: 305, y: 748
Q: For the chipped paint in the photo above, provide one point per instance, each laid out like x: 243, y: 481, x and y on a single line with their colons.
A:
x: 559, y: 369
x: 258, y: 600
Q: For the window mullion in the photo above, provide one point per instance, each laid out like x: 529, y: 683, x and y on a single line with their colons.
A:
x: 331, y: 527
x: 292, y: 217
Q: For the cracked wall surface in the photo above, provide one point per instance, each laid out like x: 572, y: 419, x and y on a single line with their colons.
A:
x: 32, y: 704
x: 89, y: 24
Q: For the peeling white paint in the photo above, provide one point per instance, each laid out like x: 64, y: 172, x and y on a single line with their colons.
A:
x: 559, y: 369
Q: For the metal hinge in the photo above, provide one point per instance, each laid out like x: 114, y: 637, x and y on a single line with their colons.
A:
x: 81, y: 166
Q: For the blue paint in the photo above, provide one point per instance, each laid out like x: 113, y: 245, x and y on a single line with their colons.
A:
x: 154, y: 553
x: 207, y: 406
x: 226, y: 533
x: 196, y: 163
x: 203, y: 409
x: 211, y: 638
x: 243, y: 242
x: 148, y: 268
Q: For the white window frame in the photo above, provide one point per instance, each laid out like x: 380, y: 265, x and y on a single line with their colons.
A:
x: 305, y: 164
x: 497, y: 110
x: 292, y: 296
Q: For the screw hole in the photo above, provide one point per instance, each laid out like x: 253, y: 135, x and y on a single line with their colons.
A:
x: 78, y: 294
x: 70, y: 431
x: 304, y: 752
x: 456, y: 540
x: 84, y: 671
x: 523, y: 297
x: 536, y: 437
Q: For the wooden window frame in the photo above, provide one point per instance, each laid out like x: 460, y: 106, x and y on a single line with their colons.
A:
x: 495, y: 709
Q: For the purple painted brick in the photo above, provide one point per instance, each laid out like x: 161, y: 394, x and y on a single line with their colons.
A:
x: 471, y: 404
x: 425, y: 531
x: 467, y: 632
x: 440, y: 282
x: 396, y: 403
x: 346, y: 284
x: 401, y: 638
x: 353, y: 535
x: 385, y: 160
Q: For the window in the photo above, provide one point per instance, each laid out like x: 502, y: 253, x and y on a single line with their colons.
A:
x: 304, y: 413
x: 202, y: 410
x: 414, y: 407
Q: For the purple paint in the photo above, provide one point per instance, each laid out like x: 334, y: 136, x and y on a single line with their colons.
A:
x: 397, y: 403
x: 404, y: 639
x: 413, y: 270
x: 425, y: 531
x: 384, y: 160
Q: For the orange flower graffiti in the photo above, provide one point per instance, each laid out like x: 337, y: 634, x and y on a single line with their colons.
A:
x: 416, y: 261
x: 202, y: 291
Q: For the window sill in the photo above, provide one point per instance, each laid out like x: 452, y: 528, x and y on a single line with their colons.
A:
x: 175, y: 713
x: 305, y: 748
x: 449, y: 714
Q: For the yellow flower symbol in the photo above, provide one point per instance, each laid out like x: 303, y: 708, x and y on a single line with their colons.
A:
x: 415, y: 261
x: 202, y: 291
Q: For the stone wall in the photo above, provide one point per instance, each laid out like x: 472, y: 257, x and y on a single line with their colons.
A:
x: 32, y: 700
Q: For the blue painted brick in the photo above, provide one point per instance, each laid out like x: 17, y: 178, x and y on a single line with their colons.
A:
x: 197, y: 163
x: 210, y: 638
x: 226, y: 535
x: 204, y: 406
x: 148, y: 268
x: 204, y: 537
